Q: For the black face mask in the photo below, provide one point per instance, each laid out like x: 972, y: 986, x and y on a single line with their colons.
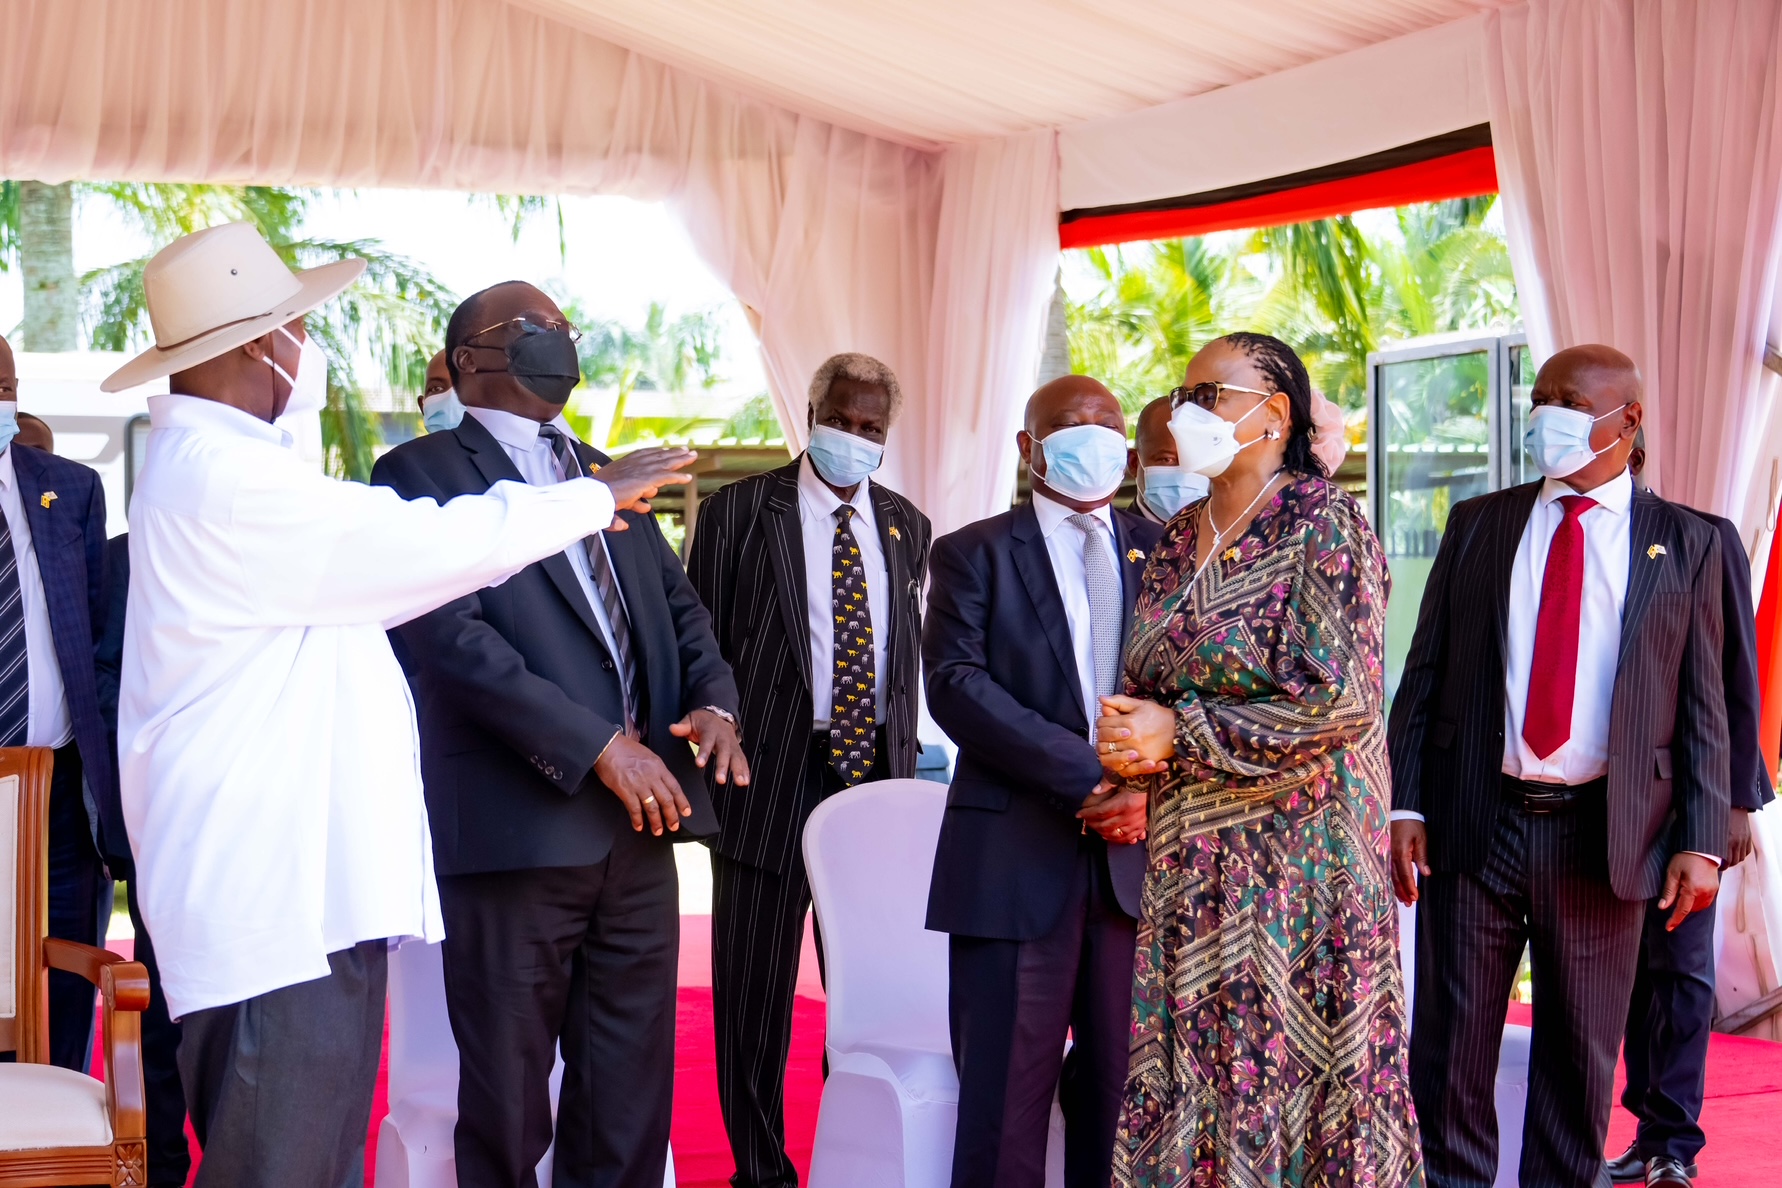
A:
x: 545, y: 361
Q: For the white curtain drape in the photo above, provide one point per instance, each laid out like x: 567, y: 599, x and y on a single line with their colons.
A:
x: 993, y: 278
x: 1639, y: 150
x: 827, y: 236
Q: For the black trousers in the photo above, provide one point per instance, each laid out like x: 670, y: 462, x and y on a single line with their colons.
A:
x: 582, y: 957
x: 757, y: 934
x: 79, y: 909
x: 1545, y: 884
x: 280, y: 1085
x: 169, y: 1159
x: 1668, y: 1024
x: 1011, y: 1006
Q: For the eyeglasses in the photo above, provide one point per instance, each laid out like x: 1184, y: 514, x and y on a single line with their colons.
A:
x: 1207, y: 395
x: 526, y: 327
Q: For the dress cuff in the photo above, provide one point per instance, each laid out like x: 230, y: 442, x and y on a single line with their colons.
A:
x: 1709, y: 857
x: 1406, y: 815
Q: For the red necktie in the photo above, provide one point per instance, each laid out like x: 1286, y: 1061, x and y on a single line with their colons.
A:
x: 1553, y: 676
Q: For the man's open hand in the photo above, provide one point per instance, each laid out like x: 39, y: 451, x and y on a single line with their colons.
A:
x: 639, y: 778
x: 1738, y: 841
x: 717, y: 742
x: 1117, y: 813
x: 1691, y: 883
x: 637, y: 477
x: 1410, y: 857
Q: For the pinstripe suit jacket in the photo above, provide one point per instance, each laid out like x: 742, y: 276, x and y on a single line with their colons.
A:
x: 68, y: 537
x: 1668, y: 748
x: 1751, y: 788
x: 747, y: 562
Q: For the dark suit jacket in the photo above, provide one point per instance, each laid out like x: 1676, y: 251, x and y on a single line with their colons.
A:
x: 518, y: 695
x: 1002, y: 682
x: 747, y: 562
x: 1668, y: 765
x: 1751, y: 788
x: 68, y: 537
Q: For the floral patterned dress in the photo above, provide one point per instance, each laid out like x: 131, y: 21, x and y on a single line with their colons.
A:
x: 1268, y: 1041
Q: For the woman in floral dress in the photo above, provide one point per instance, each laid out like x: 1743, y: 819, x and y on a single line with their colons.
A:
x: 1269, y: 1041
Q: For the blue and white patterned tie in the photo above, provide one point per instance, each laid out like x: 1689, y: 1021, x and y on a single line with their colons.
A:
x: 15, y: 673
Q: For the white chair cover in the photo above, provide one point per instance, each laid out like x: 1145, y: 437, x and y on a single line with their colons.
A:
x: 890, y: 1104
x: 414, y: 1142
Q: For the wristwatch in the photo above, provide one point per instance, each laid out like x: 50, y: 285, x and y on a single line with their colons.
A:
x: 721, y: 712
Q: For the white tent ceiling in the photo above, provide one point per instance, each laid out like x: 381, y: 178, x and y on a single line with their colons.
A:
x: 926, y: 72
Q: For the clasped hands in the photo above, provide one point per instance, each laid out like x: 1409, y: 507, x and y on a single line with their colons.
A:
x: 645, y: 786
x: 1128, y: 744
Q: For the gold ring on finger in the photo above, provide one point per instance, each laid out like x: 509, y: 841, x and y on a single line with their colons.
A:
x: 649, y: 800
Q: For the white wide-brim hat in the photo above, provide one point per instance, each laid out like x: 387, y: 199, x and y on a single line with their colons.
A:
x: 214, y: 290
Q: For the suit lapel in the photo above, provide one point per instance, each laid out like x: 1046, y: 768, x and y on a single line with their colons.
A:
x: 785, y: 549
x: 893, y: 538
x: 494, y: 465
x: 1035, y: 567
x: 1505, y: 537
x: 1645, y: 531
x: 1132, y: 572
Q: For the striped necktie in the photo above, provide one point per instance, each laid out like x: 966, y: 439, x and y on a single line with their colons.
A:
x: 1104, y: 607
x: 15, y: 673
x: 606, y: 583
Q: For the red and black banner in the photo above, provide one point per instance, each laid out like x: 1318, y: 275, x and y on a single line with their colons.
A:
x: 1454, y: 165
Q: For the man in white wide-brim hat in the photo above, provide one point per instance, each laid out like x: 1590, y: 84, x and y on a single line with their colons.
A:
x: 269, y: 771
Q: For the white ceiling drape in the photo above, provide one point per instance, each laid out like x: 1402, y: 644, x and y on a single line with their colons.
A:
x: 1639, y: 148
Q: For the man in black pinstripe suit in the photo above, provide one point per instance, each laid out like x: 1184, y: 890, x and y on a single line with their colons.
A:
x: 813, y: 574
x: 1560, y: 756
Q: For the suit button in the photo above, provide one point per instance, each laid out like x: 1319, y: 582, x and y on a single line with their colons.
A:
x: 607, y: 664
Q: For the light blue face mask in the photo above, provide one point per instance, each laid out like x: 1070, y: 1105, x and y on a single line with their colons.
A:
x: 841, y: 458
x: 1558, y: 439
x: 1084, y: 462
x: 441, y: 411
x: 9, y: 422
x: 1166, y: 490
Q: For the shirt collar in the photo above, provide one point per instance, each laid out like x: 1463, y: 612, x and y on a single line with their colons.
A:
x: 7, y: 476
x: 178, y: 411
x: 822, y: 497
x: 1051, y: 514
x: 514, y: 431
x: 1613, y: 496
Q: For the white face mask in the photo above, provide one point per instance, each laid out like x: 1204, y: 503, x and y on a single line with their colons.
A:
x: 1206, y: 442
x: 1559, y: 439
x: 309, y: 387
x: 1084, y: 462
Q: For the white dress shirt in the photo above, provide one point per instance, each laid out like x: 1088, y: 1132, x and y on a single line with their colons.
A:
x: 51, y: 725
x: 268, y: 753
x: 1064, y: 544
x: 527, y: 449
x: 1607, y: 536
x: 816, y: 516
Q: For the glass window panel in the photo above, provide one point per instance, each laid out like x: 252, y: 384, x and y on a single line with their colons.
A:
x: 1438, y: 452
x: 1522, y: 378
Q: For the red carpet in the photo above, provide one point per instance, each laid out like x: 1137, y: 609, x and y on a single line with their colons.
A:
x: 1742, y: 1113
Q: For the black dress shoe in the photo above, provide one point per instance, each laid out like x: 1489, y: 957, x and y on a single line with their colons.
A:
x: 1629, y: 1168
x: 1664, y: 1171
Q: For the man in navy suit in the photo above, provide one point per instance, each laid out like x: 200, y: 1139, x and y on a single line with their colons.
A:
x: 1037, y: 872
x: 556, y: 711
x: 52, y: 604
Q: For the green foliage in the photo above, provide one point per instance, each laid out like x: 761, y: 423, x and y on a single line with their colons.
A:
x: 1335, y: 289
x: 395, y: 314
x: 674, y: 354
x: 755, y: 422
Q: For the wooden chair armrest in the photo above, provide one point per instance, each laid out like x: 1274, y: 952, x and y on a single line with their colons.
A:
x: 124, y: 986
x: 129, y: 990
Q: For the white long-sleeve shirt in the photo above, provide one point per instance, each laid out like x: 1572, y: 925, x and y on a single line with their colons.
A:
x: 1064, y: 545
x: 268, y: 752
x: 816, y: 519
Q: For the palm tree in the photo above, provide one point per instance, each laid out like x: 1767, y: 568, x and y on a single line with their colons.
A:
x: 395, y: 314
x: 666, y: 354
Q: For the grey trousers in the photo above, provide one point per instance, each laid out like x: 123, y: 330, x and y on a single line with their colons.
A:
x: 279, y: 1087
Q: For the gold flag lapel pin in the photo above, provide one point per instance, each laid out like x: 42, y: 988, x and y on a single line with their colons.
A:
x: 1655, y: 552
x: 49, y: 497
x: 1134, y: 555
x: 895, y: 534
